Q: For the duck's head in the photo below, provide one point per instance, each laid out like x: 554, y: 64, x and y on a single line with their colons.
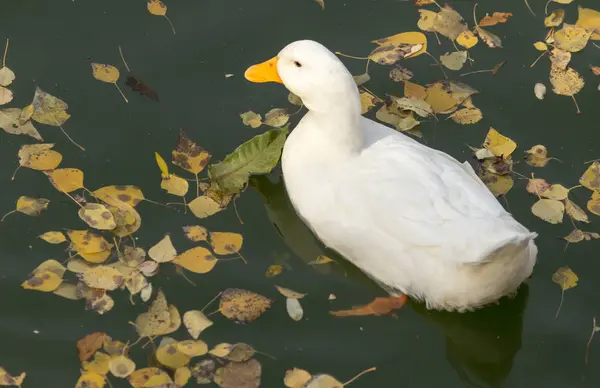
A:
x: 313, y: 73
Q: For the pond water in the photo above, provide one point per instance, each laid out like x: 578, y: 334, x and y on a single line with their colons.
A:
x: 516, y: 344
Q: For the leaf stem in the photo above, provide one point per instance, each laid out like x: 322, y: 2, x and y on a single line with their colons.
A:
x: 351, y: 56
x: 171, y: 24
x: 5, y: 52
x: 587, y: 348
x: 373, y: 369
x: 576, y: 104
x: 120, y: 91
x: 123, y: 59
x: 562, y: 297
x: 10, y: 212
x: 529, y: 8
x: 212, y: 300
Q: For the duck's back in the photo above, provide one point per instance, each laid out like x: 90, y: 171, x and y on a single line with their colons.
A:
x: 417, y: 221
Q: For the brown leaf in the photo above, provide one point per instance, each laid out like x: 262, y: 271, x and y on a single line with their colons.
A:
x: 88, y: 345
x: 380, y: 306
x: 497, y: 17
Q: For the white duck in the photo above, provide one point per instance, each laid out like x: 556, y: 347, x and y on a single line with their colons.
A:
x: 412, y: 218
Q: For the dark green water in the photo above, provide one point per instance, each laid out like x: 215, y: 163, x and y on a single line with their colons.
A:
x: 516, y: 344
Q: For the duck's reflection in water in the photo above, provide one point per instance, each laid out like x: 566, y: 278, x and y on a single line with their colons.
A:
x: 480, y: 346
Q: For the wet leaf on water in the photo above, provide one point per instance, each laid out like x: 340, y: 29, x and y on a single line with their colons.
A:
x: 127, y: 219
x: 537, y: 186
x: 467, y: 39
x: 560, y: 58
x: 121, y: 366
x: 555, y: 19
x: 440, y: 98
x: 498, y: 144
x: 105, y: 73
x: 537, y: 156
x: 488, y: 38
x: 46, y: 281
x: 175, y: 185
x: 128, y: 194
x: 103, y: 277
x: 467, y: 116
x: 296, y: 378
x: 379, y: 306
x: 197, y: 260
x: 572, y: 38
x: 204, y: 371
x: 449, y: 23
x: 390, y: 54
x: 367, y: 101
x: 99, y: 364
x: 276, y: 117
x: 88, y: 242
x: 196, y: 322
x: 39, y: 157
x: 549, y: 210
x: 135, y: 282
x: 192, y: 348
x: 591, y: 177
x: 52, y: 266
x: 258, y: 155
x: 566, y: 82
x: 146, y: 292
x: 89, y: 344
x: 565, y: 278
x: 8, y: 380
x: 541, y: 46
x: 10, y: 122
x: 589, y: 19
x: 225, y: 243
x: 149, y: 377
x: 294, y: 309
x: 426, y: 20
x: 412, y: 39
x: 6, y: 95
x: 195, y: 233
x: 53, y: 237
x: 7, y: 76
x: 289, y: 293
x: 575, y: 212
x: 455, y: 60
x: 139, y: 86
x: 251, y: 119
x: 68, y: 291
x: 413, y: 90
x: 66, y: 180
x: 182, y: 376
x: 239, y: 375
x: 399, y: 74
x: 48, y: 109
x: 163, y: 251
x: 29, y: 206
x: 169, y: 356
x: 322, y: 260
x: 242, y: 305
x: 578, y: 235
x: 90, y: 380
x: 495, y: 18
x: 148, y: 268
x: 420, y: 107
x: 157, y: 320
x: 97, y: 216
x: 189, y: 156
x: 205, y: 206
x: 556, y: 191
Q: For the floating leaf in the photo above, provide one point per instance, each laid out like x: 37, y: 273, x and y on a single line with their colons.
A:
x: 175, y: 185
x: 575, y: 212
x: 541, y: 46
x: 97, y: 216
x: 205, y: 206
x: 90, y: 380
x: 274, y: 270
x: 242, y: 305
x: 46, y: 281
x: 399, y: 74
x: 467, y: 39
x: 10, y: 122
x: 121, y: 366
x: 189, y: 155
x: 52, y: 266
x: 572, y: 38
x: 98, y: 365
x: 549, y: 210
x: 322, y: 260
x: 420, y: 107
x: 449, y: 23
x: 39, y: 157
x: 454, y: 61
x: 88, y: 242
x: 197, y: 260
x: 29, y: 206
x: 289, y: 293
x: 157, y: 320
x: 537, y: 156
x: 259, y: 155
x: 127, y: 219
x: 497, y: 17
x: 426, y: 20
x: 379, y: 306
x: 128, y: 194
x: 294, y: 309
x: 367, y: 101
x: 6, y: 95
x: 149, y: 377
x: 555, y: 19
x: 537, y: 186
x: 412, y: 39
x: 591, y: 177
x: 138, y: 86
x: 224, y: 243
x: 467, y: 116
x: 103, y: 277
x: 589, y: 19
x: 195, y: 233
x: 566, y: 279
x: 412, y: 89
x: 169, y: 356
x: 296, y: 378
x: 556, y: 191
x: 488, y: 38
x: 390, y: 54
x: 239, y: 375
x: 276, y: 117
x: 192, y: 348
x: 48, y: 109
x: 252, y: 119
x: 361, y: 79
x: 440, y: 99
x: 196, y: 322
x: 7, y: 379
x: 163, y: 251
x: 498, y: 144
x: 105, y: 73
x: 578, y: 235
x: 566, y: 82
x: 66, y: 179
x: 182, y: 376
x: 158, y: 8
x: 7, y: 76
x: 89, y: 344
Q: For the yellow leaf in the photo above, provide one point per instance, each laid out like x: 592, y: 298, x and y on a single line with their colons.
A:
x: 175, y: 320
x: 541, y: 46
x: 149, y: 377
x: 29, y: 206
x: 571, y: 38
x: 121, y: 366
x: 414, y: 90
x: 48, y: 109
x: 204, y: 206
x: 7, y: 76
x: 196, y: 322
x: 221, y: 350
x: 455, y: 60
x: 96, y: 257
x: 103, y: 277
x: 6, y: 95
x: 440, y: 100
x: 90, y: 380
x: 591, y: 177
x: 162, y: 165
x: 192, y: 348
x: 163, y: 251
x: 197, y: 260
x: 224, y: 243
x: 68, y: 291
x: 322, y: 260
x: 557, y: 191
x: 46, y: 281
x: 157, y: 7
x: 537, y: 156
x: 182, y: 376
x: 274, y: 270
x: 66, y: 179
x: 467, y: 116
x: 97, y: 216
x: 195, y: 232
x: 467, y: 39
x: 565, y: 82
x: 127, y: 219
x: 129, y: 194
x: 426, y: 20
x: 593, y: 205
x: 575, y: 212
x: 449, y: 23
x: 549, y: 210
x: 289, y: 293
x: 405, y: 38
x: 53, y: 237
x: 499, y: 145
x: 296, y: 378
x: 589, y: 19
x: 189, y: 156
x: 7, y: 379
x: 11, y: 122
x: 565, y: 278
x: 367, y: 101
x: 175, y: 185
x: 52, y: 266
x: 157, y: 320
x: 88, y: 242
x: 39, y: 157
x: 242, y: 305
x: 169, y: 356
x: 497, y: 184
x: 105, y: 73
x: 555, y: 19
x: 98, y: 365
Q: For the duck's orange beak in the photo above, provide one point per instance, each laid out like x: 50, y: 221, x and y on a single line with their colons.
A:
x: 264, y: 72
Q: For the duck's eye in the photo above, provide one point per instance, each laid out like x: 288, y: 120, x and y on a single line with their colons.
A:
x: 298, y: 64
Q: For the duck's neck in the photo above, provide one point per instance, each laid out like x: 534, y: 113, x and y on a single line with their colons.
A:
x: 338, y: 120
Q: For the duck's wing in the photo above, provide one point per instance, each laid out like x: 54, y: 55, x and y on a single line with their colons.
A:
x: 403, y: 191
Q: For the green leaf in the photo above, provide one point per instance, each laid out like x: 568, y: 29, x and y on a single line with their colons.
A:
x: 258, y: 155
